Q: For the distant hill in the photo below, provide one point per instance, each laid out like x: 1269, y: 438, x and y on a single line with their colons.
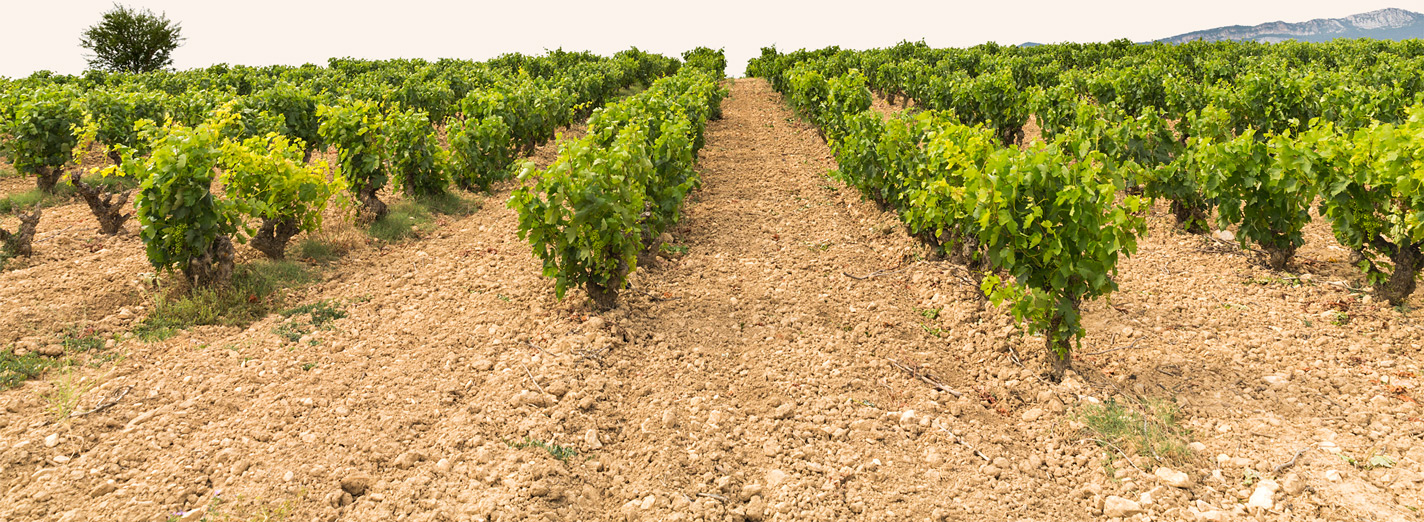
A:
x: 1384, y: 24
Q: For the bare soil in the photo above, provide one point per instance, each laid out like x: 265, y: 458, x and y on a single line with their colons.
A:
x: 757, y: 376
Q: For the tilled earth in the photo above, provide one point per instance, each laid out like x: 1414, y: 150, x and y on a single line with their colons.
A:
x: 762, y: 374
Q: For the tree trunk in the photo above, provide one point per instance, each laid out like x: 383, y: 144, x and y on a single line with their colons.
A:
x: 1059, y: 350
x: 115, y: 157
x: 1278, y: 258
x: 648, y: 257
x: 214, y: 267
x: 373, y: 207
x: 21, y: 241
x: 47, y: 178
x: 1190, y: 217
x: 1059, y: 361
x: 273, y: 237
x: 604, y: 298
x: 102, y: 204
x: 1402, y: 280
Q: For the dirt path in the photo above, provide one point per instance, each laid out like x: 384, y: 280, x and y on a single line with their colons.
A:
x: 750, y: 378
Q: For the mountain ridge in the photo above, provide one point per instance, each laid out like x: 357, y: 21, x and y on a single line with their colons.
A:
x: 1384, y: 24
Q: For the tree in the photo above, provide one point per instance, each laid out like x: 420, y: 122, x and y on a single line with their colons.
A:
x: 129, y: 40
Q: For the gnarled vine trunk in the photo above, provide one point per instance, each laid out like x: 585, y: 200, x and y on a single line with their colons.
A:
x: 605, y: 297
x: 371, y: 206
x: 1190, y: 217
x: 1059, y: 351
x: 214, y: 267
x: 47, y: 178
x: 274, y: 235
x: 1407, y: 259
x: 20, y: 242
x: 1278, y: 258
x: 106, y: 208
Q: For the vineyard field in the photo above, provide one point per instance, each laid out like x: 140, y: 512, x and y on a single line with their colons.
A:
x: 631, y: 289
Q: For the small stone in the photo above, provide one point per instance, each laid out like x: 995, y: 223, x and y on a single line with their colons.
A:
x: 195, y: 515
x: 1197, y: 447
x: 1359, y: 418
x: 1292, y: 484
x: 103, y: 489
x: 590, y: 438
x: 61, y: 459
x: 52, y: 350
x: 287, y: 477
x: 1032, y: 414
x: 991, y: 470
x: 1332, y: 475
x: 444, y: 465
x: 1262, y: 498
x: 52, y: 440
x: 774, y: 478
x: 770, y: 448
x: 784, y: 411
x: 756, y: 508
x: 1224, y: 235
x: 1118, y: 507
x: 1174, y: 478
x: 357, y: 484
x: 408, y: 459
x: 908, y: 418
x: 1276, y: 380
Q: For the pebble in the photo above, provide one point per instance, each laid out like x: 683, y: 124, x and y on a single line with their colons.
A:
x: 103, y: 489
x: 52, y: 440
x: 1332, y: 475
x: 444, y: 465
x: 409, y: 459
x: 907, y: 418
x: 1262, y: 498
x: 775, y: 477
x: 287, y: 477
x: 52, y: 350
x: 1118, y: 507
x: 1197, y: 447
x: 1174, y: 478
x: 343, y: 411
x: 1293, y: 484
x: 357, y: 484
x: 1033, y: 414
x: 770, y: 448
x: 784, y: 411
x: 590, y: 438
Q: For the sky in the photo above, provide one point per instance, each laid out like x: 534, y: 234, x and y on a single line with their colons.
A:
x: 44, y: 34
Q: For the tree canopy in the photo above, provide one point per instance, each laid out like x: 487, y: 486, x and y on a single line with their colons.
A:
x: 131, y: 40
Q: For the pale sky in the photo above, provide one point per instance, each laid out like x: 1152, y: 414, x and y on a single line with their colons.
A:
x: 44, y: 34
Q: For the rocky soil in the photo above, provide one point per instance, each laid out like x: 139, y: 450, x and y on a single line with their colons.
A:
x: 770, y: 372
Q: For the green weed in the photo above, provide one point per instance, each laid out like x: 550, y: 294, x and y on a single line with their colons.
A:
x: 405, y: 219
x: 254, y: 293
x: 16, y: 369
x: 317, y: 251
x: 1151, y: 429
x: 562, y: 453
x: 64, y: 396
x: 321, y: 312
